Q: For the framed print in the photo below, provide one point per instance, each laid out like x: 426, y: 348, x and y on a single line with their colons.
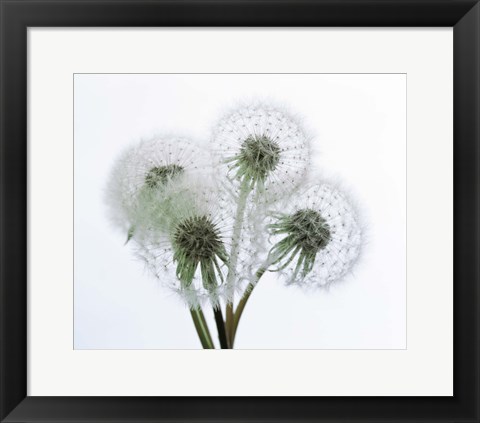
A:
x: 239, y: 211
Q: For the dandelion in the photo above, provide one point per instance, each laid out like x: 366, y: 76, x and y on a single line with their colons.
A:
x: 263, y: 147
x: 317, y: 238
x: 140, y: 174
x: 263, y: 154
x: 190, y: 253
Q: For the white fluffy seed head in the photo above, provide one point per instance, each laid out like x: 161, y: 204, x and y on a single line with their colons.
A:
x: 142, y: 172
x: 316, y: 237
x: 262, y: 144
x: 190, y: 256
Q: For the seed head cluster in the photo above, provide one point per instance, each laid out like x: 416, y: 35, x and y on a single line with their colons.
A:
x: 306, y: 233
x: 160, y: 175
x: 198, y: 238
x: 196, y: 241
x: 258, y: 156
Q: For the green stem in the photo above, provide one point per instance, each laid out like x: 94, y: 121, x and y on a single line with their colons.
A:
x: 222, y: 333
x: 229, y: 321
x: 245, y: 189
x: 202, y: 328
x: 243, y: 302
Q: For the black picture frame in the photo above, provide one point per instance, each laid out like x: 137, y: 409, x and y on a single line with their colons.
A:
x: 18, y: 15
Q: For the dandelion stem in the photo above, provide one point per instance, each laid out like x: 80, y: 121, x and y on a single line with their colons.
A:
x: 229, y: 321
x: 222, y: 333
x: 202, y: 328
x: 243, y: 302
x: 245, y: 188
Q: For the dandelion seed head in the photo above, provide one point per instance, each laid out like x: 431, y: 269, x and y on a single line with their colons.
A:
x: 196, y: 242
x: 142, y: 172
x: 308, y: 229
x: 316, y: 238
x: 264, y: 145
x: 258, y: 156
x: 197, y: 237
x: 189, y: 254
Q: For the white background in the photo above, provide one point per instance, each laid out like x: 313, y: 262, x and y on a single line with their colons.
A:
x: 358, y: 124
x: 424, y: 368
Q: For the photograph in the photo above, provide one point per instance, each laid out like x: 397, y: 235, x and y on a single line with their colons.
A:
x: 240, y: 211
